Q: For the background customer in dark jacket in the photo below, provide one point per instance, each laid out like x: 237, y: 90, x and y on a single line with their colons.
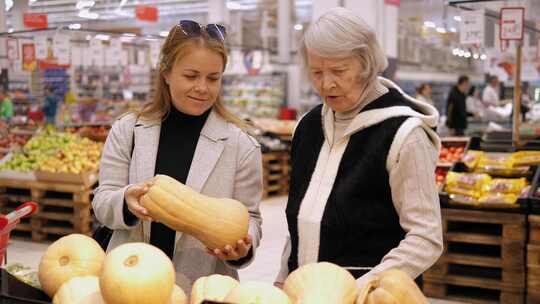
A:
x: 456, y: 107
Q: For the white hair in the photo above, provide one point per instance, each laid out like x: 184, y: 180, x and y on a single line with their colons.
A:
x: 339, y: 33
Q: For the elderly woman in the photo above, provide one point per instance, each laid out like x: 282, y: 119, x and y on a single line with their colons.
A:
x: 362, y: 192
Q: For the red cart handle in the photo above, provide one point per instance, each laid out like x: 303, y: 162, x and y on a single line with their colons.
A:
x: 26, y: 209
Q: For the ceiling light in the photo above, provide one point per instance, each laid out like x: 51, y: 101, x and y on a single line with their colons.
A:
x: 457, y: 18
x: 88, y: 37
x: 130, y: 35
x: 31, y: 2
x: 483, y: 57
x: 9, y: 4
x: 441, y: 30
x: 75, y: 26
x: 102, y: 37
x: 126, y: 38
x: 429, y: 24
x: 164, y: 33
x: 467, y: 54
x: 88, y: 15
x: 453, y: 30
x: 10, y: 30
x: 236, y: 6
x: 475, y: 56
x: 85, y: 4
x: 455, y: 52
x: 298, y: 27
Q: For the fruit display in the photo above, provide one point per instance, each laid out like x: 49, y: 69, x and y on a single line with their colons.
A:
x: 257, y: 292
x: 82, y: 290
x: 54, y: 151
x: 391, y: 286
x: 96, y: 133
x: 216, y: 222
x: 212, y: 288
x: 137, y: 273
x: 451, y: 154
x: 13, y: 140
x: 440, y: 175
x: 320, y: 283
x: 71, y: 256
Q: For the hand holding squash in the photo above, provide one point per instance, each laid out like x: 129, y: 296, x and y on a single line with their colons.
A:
x: 132, y: 196
x: 230, y: 253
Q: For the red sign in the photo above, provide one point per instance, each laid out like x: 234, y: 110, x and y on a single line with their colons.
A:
x: 29, y: 56
x: 392, y: 2
x: 146, y: 13
x: 35, y: 20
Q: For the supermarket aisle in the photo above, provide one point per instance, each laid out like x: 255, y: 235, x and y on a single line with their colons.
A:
x: 264, y: 268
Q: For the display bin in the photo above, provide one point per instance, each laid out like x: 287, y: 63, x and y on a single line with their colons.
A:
x: 521, y: 206
x: 534, y: 201
x: 87, y: 179
x: 14, y: 291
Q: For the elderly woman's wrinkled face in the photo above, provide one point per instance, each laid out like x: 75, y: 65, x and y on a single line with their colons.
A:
x: 336, y: 80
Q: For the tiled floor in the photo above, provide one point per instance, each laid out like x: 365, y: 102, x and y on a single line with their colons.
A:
x: 264, y: 268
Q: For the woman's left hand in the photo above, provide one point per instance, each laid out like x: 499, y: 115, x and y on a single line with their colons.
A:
x: 230, y: 252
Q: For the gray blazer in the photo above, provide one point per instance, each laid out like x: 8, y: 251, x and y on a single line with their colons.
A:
x: 227, y: 163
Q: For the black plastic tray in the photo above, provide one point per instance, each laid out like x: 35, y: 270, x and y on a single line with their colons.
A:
x: 14, y: 291
x: 522, y: 206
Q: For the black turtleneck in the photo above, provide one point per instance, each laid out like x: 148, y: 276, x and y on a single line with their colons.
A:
x: 177, y: 142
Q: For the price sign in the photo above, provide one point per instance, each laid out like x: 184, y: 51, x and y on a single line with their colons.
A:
x: 512, y: 23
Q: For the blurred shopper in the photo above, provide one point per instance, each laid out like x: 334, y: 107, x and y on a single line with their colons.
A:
x: 526, y: 100
x: 50, y: 106
x: 423, y: 93
x: 6, y: 106
x: 490, y: 95
x: 474, y: 103
x: 362, y: 191
x: 456, y: 107
x: 185, y: 132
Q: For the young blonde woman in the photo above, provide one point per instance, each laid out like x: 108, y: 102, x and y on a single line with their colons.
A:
x: 184, y: 132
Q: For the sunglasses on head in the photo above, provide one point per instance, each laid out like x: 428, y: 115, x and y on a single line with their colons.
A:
x: 191, y: 28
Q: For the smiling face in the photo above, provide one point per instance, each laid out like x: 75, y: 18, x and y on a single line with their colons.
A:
x: 195, y: 80
x: 336, y: 80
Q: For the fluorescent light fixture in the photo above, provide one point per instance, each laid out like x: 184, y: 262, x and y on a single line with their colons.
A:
x: 430, y: 24
x: 483, y: 57
x: 467, y: 54
x: 298, y: 27
x: 236, y: 6
x: 88, y: 37
x: 457, y: 18
x: 10, y: 30
x: 102, y: 37
x: 461, y: 53
x: 129, y: 35
x: 31, y: 2
x: 453, y: 30
x: 126, y: 38
x: 164, y: 33
x: 441, y: 30
x: 75, y: 26
x: 9, y: 4
x: 88, y: 15
x: 455, y: 52
x: 475, y: 56
x: 85, y: 4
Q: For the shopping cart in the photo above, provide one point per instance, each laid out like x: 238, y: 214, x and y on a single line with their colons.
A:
x: 9, y: 221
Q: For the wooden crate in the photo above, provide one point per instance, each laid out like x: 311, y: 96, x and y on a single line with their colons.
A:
x: 63, y: 208
x: 276, y: 169
x: 533, y: 260
x: 483, y: 258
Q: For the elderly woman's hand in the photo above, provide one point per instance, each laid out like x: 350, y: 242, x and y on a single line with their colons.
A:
x: 233, y: 252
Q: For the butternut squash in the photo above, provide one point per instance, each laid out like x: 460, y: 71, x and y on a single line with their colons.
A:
x: 320, y: 283
x: 212, y: 288
x: 391, y: 287
x: 216, y: 222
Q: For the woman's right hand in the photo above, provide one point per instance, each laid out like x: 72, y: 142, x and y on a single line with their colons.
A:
x: 132, y: 196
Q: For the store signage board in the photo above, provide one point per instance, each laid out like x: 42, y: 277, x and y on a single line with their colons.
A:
x: 62, y: 48
x: 76, y: 56
x: 29, y: 57
x: 41, y: 47
x: 35, y: 21
x: 12, y: 47
x: 512, y: 23
x: 97, y: 51
x: 392, y: 2
x: 146, y: 13
x: 472, y: 27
